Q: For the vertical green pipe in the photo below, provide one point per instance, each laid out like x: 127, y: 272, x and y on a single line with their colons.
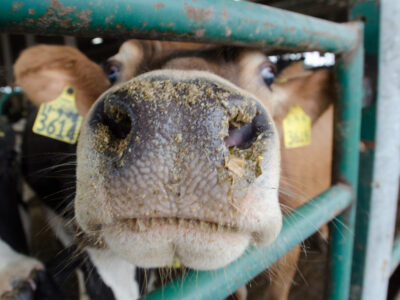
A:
x: 349, y: 70
x: 368, y: 10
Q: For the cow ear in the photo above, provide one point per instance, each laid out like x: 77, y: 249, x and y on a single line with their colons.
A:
x: 313, y: 91
x: 44, y: 71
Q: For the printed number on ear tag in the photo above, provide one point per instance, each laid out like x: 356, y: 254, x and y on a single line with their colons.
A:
x: 296, y: 128
x: 59, y: 119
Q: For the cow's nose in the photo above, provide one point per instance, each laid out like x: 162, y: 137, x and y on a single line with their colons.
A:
x: 164, y: 121
x: 113, y: 122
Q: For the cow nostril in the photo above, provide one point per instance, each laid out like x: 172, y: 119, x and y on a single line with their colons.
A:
x: 117, y: 119
x: 112, y: 123
x: 243, y: 135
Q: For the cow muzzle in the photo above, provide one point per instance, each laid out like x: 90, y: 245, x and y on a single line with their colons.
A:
x: 178, y: 164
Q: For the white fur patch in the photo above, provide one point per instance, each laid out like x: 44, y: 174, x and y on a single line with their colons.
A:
x: 117, y: 273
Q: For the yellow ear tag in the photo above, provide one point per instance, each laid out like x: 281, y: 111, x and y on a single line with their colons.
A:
x: 296, y: 128
x: 59, y: 119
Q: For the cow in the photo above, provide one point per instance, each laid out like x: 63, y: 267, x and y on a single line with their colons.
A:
x: 180, y: 158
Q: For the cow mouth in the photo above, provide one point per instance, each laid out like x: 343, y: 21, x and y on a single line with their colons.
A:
x: 146, y: 224
x: 156, y: 242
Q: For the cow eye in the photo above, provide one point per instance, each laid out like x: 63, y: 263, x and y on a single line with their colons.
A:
x: 267, y: 73
x: 112, y: 70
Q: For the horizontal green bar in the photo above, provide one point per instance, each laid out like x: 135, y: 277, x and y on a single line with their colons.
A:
x: 223, y: 21
x: 395, y: 254
x: 297, y: 226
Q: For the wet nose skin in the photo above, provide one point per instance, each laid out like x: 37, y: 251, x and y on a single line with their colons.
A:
x: 159, y: 116
x: 162, y: 145
x: 197, y: 114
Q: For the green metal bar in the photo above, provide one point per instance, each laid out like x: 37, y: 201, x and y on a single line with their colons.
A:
x: 222, y: 21
x: 369, y: 11
x: 395, y: 255
x: 297, y: 226
x: 349, y: 70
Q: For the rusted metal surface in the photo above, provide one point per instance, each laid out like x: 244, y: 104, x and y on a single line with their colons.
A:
x: 227, y: 22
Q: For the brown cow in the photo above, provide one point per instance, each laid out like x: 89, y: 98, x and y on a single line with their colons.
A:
x: 184, y: 161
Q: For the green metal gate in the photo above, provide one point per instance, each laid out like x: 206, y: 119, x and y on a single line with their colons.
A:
x: 253, y: 25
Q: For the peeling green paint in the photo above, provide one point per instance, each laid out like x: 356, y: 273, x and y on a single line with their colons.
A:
x: 203, y: 21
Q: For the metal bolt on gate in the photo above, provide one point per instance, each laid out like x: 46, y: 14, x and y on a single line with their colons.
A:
x: 253, y: 25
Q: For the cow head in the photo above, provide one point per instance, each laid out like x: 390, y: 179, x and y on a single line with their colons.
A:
x: 180, y: 158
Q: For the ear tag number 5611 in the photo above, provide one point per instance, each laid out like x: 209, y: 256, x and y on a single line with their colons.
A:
x: 296, y: 128
x: 59, y: 119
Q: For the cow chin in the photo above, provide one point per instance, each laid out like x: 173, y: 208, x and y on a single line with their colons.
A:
x: 158, y: 247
